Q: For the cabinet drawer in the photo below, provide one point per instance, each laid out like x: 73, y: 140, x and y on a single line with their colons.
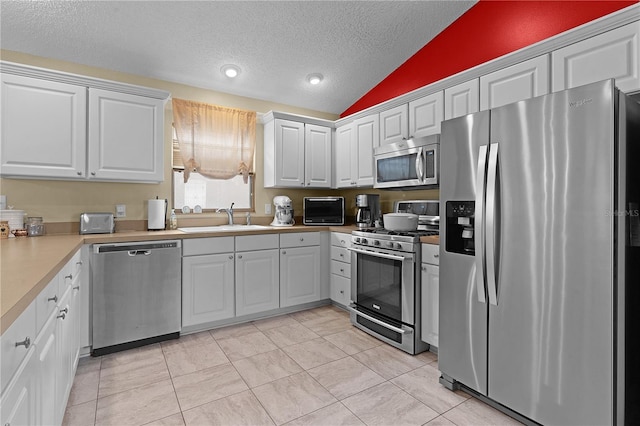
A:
x: 340, y: 289
x: 212, y: 245
x: 257, y: 242
x: 341, y: 254
x: 69, y: 272
x: 341, y: 268
x: 431, y: 254
x: 47, y: 301
x: 341, y: 240
x: 24, y: 327
x: 299, y: 239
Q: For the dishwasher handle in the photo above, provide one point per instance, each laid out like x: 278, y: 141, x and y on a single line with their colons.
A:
x: 139, y: 253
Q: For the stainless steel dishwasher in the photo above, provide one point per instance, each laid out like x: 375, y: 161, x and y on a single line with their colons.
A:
x: 136, y: 294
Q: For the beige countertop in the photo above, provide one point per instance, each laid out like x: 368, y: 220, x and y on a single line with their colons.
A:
x: 28, y: 264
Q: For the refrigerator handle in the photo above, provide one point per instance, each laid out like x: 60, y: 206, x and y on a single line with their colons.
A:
x: 492, y: 171
x: 479, y: 223
x: 420, y: 165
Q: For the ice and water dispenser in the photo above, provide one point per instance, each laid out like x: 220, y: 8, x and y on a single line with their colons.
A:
x: 460, y: 227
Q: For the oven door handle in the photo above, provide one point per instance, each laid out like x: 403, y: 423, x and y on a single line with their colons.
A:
x: 377, y: 254
x: 407, y: 330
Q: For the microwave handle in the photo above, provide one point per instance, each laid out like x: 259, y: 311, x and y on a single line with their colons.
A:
x: 420, y: 164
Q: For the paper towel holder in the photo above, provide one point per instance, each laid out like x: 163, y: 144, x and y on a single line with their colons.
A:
x: 157, y: 214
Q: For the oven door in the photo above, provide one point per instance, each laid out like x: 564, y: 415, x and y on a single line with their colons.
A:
x: 383, y: 293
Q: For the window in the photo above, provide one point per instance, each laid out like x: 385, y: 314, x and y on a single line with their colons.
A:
x: 211, y: 194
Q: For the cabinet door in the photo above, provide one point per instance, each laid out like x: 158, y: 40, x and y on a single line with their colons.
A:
x: 289, y: 160
x: 340, y: 289
x: 430, y: 290
x: 43, y: 128
x: 207, y: 288
x: 64, y: 353
x: 394, y: 125
x: 525, y: 80
x: 462, y: 99
x: 19, y: 405
x: 47, y: 364
x: 425, y: 115
x: 257, y: 281
x: 343, y: 159
x: 317, y: 151
x: 614, y: 54
x: 126, y: 137
x: 300, y: 276
x: 367, y: 138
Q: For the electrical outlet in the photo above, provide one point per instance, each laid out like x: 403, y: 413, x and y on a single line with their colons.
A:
x: 267, y: 208
x: 121, y: 210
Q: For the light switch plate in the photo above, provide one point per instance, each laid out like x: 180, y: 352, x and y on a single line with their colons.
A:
x: 267, y: 208
x: 121, y: 210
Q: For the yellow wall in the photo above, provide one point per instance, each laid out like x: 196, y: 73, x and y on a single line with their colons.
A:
x: 64, y: 201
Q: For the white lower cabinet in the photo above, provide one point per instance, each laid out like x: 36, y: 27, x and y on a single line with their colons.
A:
x: 207, y: 280
x: 430, y: 293
x: 300, y: 275
x: 340, y: 280
x: 257, y: 274
x: 39, y: 363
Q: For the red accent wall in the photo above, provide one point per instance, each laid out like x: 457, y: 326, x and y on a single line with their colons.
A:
x: 488, y: 30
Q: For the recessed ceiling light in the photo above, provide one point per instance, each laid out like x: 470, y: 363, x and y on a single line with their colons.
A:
x: 230, y: 70
x: 314, y: 78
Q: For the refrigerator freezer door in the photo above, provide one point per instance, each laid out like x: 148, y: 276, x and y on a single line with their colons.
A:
x: 462, y: 353
x: 551, y: 332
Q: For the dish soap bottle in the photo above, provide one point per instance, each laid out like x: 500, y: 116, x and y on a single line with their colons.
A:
x: 173, y: 220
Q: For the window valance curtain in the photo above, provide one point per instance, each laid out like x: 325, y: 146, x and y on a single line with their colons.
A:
x: 215, y: 141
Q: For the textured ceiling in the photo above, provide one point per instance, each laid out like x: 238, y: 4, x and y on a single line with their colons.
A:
x: 354, y: 44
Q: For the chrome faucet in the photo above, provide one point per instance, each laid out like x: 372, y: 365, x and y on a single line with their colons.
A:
x: 229, y: 213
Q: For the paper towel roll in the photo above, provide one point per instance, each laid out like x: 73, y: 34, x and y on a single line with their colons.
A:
x: 157, y: 212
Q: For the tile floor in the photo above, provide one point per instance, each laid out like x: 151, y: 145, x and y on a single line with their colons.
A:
x: 307, y: 368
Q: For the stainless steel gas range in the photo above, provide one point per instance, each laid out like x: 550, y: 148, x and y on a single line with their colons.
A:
x: 385, y: 283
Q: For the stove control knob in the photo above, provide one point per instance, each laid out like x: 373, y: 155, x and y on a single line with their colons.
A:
x: 390, y: 244
x: 399, y: 246
x: 376, y: 243
x: 364, y: 241
x: 356, y: 239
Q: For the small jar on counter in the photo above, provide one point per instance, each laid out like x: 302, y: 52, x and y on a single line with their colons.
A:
x: 34, y: 226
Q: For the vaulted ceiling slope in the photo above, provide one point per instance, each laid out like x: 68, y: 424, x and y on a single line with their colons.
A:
x: 488, y: 30
x: 354, y: 44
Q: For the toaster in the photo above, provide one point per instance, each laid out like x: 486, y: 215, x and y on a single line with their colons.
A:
x: 97, y: 223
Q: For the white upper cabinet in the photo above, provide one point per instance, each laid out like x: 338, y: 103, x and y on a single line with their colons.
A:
x: 614, y: 54
x: 521, y: 81
x: 65, y: 126
x: 296, y: 154
x: 43, y: 128
x: 125, y: 137
x: 425, y: 115
x: 354, y: 152
x: 420, y: 117
x: 394, y: 124
x: 462, y: 99
x: 317, y: 156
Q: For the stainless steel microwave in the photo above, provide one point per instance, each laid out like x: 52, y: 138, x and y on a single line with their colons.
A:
x: 323, y: 211
x: 410, y: 163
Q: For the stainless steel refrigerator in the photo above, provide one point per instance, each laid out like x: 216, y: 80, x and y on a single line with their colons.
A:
x: 540, y: 256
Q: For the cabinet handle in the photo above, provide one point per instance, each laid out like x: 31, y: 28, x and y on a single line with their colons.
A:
x: 230, y: 256
x: 341, y: 269
x: 63, y: 316
x: 284, y: 252
x: 77, y: 288
x: 93, y: 173
x: 64, y: 311
x: 341, y: 291
x: 239, y: 256
x: 301, y: 238
x: 342, y: 242
x: 79, y: 262
x: 436, y: 256
x: 53, y: 299
x: 70, y: 276
x: 26, y: 343
x: 79, y: 173
x: 341, y: 254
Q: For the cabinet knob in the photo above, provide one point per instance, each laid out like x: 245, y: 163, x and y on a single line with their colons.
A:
x: 341, y: 291
x: 64, y: 311
x: 79, y: 262
x: 26, y: 343
x: 436, y: 256
x: 52, y: 299
x: 77, y: 288
x: 93, y: 173
x: 284, y: 252
x: 301, y: 239
x: 341, y: 269
x: 79, y: 173
x: 424, y: 268
x: 230, y: 256
x: 341, y: 254
x: 63, y: 316
x: 239, y: 256
x: 70, y: 276
x: 302, y: 184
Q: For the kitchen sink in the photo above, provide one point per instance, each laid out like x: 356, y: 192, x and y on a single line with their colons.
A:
x: 221, y: 228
